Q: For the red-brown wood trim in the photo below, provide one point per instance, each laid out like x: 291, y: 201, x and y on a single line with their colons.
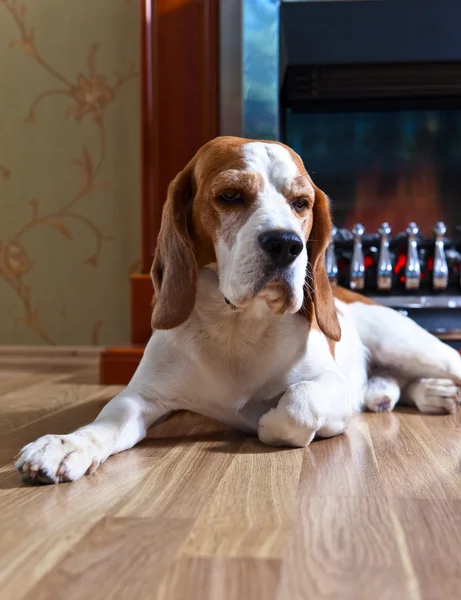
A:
x: 180, y: 60
x: 149, y: 130
x: 117, y: 365
x: 179, y: 113
x: 141, y: 301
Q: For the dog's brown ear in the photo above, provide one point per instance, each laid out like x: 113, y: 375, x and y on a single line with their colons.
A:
x: 174, y: 269
x: 318, y: 294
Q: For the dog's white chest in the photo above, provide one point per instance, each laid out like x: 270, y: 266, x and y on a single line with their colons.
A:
x: 236, y: 375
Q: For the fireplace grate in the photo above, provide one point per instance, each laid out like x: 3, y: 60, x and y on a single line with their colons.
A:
x: 305, y: 84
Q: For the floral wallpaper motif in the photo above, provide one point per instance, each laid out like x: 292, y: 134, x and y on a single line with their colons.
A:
x: 69, y: 189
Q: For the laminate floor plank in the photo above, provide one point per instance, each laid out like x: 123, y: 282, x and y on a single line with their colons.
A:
x: 180, y: 485
x: 412, y: 461
x: 12, y: 381
x: 118, y: 559
x: 220, y: 578
x: 34, y: 402
x: 255, y: 521
x: 433, y: 532
x: 343, y: 466
x: 198, y: 511
x: 343, y: 548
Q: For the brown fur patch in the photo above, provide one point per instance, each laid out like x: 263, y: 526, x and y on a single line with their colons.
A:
x: 331, y: 343
x: 219, y: 166
x: 234, y: 216
x: 318, y: 296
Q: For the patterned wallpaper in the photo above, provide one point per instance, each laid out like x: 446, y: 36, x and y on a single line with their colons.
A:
x: 69, y: 170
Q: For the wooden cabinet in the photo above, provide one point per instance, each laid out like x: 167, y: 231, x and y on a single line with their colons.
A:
x: 179, y: 113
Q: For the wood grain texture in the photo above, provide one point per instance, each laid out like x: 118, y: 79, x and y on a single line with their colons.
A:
x: 343, y: 548
x: 27, y: 405
x: 179, y: 99
x: 141, y: 550
x: 257, y: 521
x: 198, y: 511
x: 119, y: 363
x: 220, y: 578
x: 142, y: 292
x: 180, y: 113
x: 434, y: 549
x: 406, y: 443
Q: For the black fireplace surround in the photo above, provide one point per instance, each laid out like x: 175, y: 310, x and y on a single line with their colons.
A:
x: 371, y: 99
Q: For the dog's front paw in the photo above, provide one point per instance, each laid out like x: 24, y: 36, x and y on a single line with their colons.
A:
x: 57, y: 458
x: 278, y: 428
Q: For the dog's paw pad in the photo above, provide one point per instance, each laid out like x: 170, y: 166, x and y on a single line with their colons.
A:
x: 381, y: 405
x: 382, y: 394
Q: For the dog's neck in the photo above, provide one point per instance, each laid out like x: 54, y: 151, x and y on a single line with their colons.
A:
x: 218, y: 337
x: 219, y: 319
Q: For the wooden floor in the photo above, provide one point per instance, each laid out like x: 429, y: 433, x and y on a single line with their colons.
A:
x: 200, y: 512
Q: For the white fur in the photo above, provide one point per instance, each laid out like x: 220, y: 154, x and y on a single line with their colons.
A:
x: 259, y: 372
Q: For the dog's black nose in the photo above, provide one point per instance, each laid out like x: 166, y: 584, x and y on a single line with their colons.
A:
x: 282, y: 246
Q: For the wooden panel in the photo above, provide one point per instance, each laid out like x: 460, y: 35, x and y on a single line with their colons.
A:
x: 16, y: 380
x: 180, y: 97
x: 179, y: 106
x: 119, y: 364
x: 219, y: 578
x: 140, y: 551
x: 28, y: 403
x: 141, y: 302
x: 343, y: 548
x: 344, y: 465
x: 198, y: 464
x: 258, y: 522
x: 408, y: 442
x: 435, y: 547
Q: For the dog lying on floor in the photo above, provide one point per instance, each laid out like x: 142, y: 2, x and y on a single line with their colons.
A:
x: 247, y: 329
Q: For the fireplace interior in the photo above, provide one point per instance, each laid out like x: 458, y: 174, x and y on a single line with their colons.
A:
x: 395, y: 165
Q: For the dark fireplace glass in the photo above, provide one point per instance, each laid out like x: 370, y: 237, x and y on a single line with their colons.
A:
x: 396, y: 166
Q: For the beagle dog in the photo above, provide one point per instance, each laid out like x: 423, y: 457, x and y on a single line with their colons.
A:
x: 246, y: 327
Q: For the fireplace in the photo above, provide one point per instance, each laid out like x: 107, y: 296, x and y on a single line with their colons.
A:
x: 371, y: 99
x: 369, y: 94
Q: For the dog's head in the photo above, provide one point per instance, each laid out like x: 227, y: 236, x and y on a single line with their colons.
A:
x: 251, y: 207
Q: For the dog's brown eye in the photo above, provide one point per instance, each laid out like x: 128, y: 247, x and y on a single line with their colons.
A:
x: 231, y: 197
x: 299, y: 204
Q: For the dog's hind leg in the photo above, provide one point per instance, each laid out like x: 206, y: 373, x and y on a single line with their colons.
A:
x: 398, y: 344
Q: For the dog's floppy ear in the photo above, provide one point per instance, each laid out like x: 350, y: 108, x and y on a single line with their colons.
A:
x: 318, y: 294
x: 174, y: 269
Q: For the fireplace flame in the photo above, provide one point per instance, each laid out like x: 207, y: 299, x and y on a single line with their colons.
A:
x: 412, y: 196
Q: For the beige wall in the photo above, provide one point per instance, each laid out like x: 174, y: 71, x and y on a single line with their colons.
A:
x: 69, y: 169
